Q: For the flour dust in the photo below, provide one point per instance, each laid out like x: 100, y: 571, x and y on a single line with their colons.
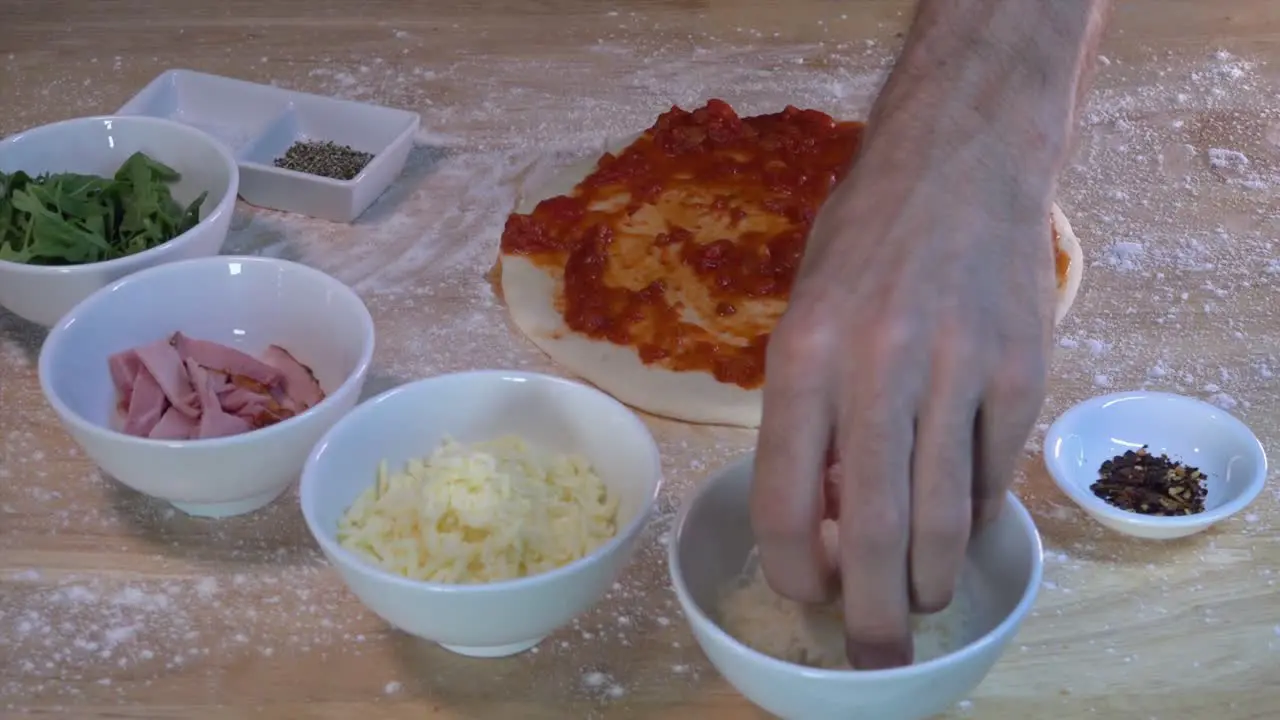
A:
x: 1173, y: 190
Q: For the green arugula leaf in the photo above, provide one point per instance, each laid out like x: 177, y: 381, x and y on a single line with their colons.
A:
x: 73, y: 218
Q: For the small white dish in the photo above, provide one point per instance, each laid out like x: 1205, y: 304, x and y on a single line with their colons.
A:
x: 260, y: 122
x: 1188, y: 430
x: 409, y: 422
x: 99, y: 146
x: 244, y: 302
x: 709, y: 548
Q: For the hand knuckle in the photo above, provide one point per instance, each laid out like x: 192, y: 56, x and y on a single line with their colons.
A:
x: 892, y: 336
x: 959, y: 337
x: 800, y: 339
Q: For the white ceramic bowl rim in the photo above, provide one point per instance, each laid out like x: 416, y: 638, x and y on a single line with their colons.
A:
x: 960, y: 655
x: 1097, y: 505
x: 226, y: 205
x: 369, y: 407
x: 54, y: 337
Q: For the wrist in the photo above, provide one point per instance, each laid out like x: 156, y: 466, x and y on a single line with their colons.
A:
x: 1005, y: 72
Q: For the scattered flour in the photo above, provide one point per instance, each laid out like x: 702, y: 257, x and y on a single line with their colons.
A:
x: 1227, y: 159
x: 61, y: 632
x: 1160, y: 143
x: 602, y: 684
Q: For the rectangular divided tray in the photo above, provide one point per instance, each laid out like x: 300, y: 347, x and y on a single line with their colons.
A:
x: 258, y: 123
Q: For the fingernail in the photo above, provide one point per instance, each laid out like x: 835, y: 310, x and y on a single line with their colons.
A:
x: 877, y: 656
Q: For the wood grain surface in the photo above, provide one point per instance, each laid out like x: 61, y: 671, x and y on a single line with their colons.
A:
x: 113, y: 605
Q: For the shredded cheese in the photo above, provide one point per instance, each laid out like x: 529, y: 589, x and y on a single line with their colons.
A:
x: 496, y: 510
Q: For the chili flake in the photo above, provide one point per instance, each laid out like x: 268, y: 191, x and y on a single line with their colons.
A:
x: 1140, y: 482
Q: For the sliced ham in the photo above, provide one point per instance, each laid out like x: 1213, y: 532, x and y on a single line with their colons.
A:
x: 124, y: 367
x: 214, y: 421
x: 238, y: 399
x: 300, y: 385
x: 165, y: 365
x: 224, y: 359
x: 267, y: 416
x: 147, y: 404
x: 189, y: 389
x: 173, y: 425
x: 221, y: 381
x: 284, y: 401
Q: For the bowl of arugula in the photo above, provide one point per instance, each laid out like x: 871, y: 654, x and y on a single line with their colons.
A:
x: 88, y: 201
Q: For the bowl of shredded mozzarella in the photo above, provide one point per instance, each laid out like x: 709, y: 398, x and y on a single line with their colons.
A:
x: 482, y: 510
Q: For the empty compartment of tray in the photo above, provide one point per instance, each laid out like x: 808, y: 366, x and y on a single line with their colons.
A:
x: 233, y: 111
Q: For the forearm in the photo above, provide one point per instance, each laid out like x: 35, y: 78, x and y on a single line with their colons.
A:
x: 1006, y: 72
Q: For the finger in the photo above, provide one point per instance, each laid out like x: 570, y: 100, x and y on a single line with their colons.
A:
x: 1009, y: 411
x: 875, y: 435
x: 941, y: 483
x: 787, y: 488
x: 831, y: 491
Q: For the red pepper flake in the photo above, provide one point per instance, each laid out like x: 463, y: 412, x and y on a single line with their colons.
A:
x: 1147, y: 484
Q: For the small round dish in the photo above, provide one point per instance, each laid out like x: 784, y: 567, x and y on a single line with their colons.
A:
x: 247, y: 303
x: 406, y: 423
x: 99, y: 145
x: 1188, y: 430
x: 709, y: 549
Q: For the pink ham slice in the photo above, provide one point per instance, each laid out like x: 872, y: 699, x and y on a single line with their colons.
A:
x: 241, y: 401
x: 183, y: 388
x: 300, y: 385
x: 147, y: 405
x: 173, y: 425
x: 226, y: 360
x: 283, y: 400
x: 220, y: 381
x: 124, y: 367
x: 164, y: 364
x: 214, y: 421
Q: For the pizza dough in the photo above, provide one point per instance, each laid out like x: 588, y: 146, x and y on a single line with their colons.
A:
x: 1069, y: 244
x: 813, y: 635
x: 697, y: 397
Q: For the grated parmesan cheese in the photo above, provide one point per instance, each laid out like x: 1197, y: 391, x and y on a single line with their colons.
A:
x: 496, y: 510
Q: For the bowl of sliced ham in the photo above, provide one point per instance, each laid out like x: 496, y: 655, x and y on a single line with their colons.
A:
x: 207, y: 382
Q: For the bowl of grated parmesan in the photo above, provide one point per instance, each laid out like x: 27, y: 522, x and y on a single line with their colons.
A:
x: 789, y: 658
x: 482, y: 510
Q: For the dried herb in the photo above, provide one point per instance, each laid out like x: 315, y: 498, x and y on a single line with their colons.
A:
x: 73, y: 219
x: 324, y: 158
x: 1140, y: 482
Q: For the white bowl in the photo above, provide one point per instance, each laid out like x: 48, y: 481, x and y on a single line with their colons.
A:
x: 1187, y: 430
x: 261, y: 122
x: 709, y: 550
x: 409, y: 422
x: 100, y: 145
x: 245, y: 302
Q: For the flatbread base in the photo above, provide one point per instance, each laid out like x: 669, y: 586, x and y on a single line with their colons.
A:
x: 696, y: 397
x: 1075, y: 269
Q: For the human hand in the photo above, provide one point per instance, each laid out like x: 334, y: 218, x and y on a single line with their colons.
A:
x: 914, y: 350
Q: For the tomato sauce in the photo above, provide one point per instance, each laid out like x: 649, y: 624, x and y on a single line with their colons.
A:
x: 780, y: 167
